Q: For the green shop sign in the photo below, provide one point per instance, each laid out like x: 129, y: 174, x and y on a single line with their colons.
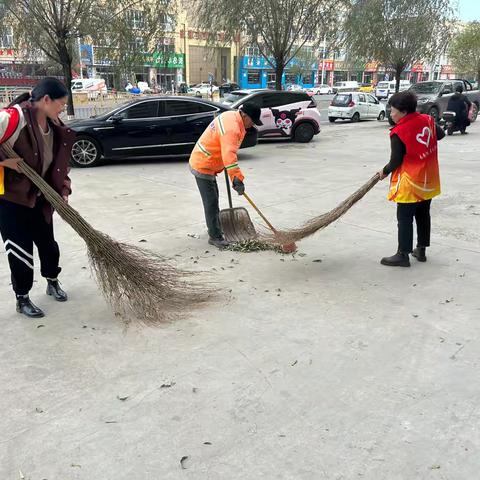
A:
x: 161, y: 60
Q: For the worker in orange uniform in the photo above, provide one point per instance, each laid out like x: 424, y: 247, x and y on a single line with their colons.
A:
x: 216, y: 150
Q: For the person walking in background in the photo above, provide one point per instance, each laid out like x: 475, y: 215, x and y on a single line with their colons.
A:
x: 460, y: 104
x: 31, y: 126
x: 215, y: 151
x: 415, y: 177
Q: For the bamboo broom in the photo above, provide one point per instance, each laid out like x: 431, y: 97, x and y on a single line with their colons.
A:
x: 281, y: 237
x: 136, y: 282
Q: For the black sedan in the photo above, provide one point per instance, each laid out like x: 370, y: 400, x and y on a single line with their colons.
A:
x: 146, y: 128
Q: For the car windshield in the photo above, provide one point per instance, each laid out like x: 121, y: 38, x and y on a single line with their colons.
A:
x: 234, y: 96
x: 426, y: 87
x: 341, y: 100
x: 382, y: 84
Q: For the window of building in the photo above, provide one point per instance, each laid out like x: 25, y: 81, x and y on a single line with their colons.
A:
x: 252, y: 51
x: 136, y: 18
x: 271, y: 77
x: 290, y: 78
x: 253, y: 76
x: 6, y: 38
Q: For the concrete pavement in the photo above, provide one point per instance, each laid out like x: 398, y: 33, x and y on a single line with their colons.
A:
x: 322, y: 365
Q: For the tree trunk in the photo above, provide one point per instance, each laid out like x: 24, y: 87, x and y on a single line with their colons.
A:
x: 279, y: 68
x: 398, y: 72
x: 66, y: 62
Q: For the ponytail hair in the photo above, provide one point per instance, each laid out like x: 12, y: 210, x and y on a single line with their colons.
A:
x: 50, y: 86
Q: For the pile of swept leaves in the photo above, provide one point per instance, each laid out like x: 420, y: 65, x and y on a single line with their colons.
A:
x: 254, y: 246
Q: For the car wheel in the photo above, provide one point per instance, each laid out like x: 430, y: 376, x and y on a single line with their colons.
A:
x: 449, y: 131
x: 304, y: 133
x: 381, y: 117
x: 356, y: 117
x: 433, y: 112
x: 475, y: 112
x: 332, y: 119
x: 85, y: 152
x: 198, y: 94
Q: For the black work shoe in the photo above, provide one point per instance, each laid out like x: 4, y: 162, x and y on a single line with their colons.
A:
x: 54, y: 290
x: 220, y: 243
x: 419, y: 254
x: 397, y: 260
x: 27, y: 308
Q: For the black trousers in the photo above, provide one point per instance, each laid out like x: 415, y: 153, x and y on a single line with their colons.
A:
x: 406, y: 212
x: 21, y: 227
x: 209, y: 193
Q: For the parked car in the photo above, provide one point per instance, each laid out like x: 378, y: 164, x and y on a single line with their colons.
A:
x: 385, y: 89
x: 320, y: 89
x: 433, y: 97
x: 146, y: 128
x: 350, y: 86
x: 236, y: 95
x: 285, y: 114
x: 202, y: 89
x: 228, y: 87
x: 367, y: 88
x: 293, y: 87
x: 355, y: 106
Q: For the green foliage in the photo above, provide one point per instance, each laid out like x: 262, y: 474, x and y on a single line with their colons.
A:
x: 465, y: 51
x: 279, y: 28
x: 399, y: 33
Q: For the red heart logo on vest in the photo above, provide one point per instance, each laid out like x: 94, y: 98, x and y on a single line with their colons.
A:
x: 424, y: 137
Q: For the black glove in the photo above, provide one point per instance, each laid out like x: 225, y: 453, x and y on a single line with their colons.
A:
x: 238, y: 186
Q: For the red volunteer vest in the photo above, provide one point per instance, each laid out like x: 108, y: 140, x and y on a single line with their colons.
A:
x: 418, y: 178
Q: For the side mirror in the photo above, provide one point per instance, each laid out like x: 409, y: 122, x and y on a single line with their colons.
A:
x: 116, y: 119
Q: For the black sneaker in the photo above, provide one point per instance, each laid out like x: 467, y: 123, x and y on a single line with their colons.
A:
x: 220, y: 243
x: 54, y: 290
x: 397, y: 260
x: 419, y: 254
x: 27, y: 308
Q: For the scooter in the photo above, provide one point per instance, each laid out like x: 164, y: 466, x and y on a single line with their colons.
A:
x: 450, y: 120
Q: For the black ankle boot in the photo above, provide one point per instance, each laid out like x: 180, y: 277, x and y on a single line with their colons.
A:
x: 54, y: 290
x: 398, y: 260
x: 419, y: 254
x: 26, y: 307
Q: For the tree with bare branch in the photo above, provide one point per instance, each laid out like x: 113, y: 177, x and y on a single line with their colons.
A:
x: 53, y: 28
x: 279, y: 28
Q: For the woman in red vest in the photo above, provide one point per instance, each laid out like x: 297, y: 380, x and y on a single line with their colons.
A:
x: 415, y: 176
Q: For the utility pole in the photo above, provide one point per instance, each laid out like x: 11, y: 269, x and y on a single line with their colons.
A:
x: 185, y: 51
x: 323, y: 59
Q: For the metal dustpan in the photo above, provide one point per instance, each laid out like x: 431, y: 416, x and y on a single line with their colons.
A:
x: 236, y: 223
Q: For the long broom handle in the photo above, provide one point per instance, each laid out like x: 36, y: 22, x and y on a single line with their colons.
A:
x: 265, y: 219
x: 229, y: 191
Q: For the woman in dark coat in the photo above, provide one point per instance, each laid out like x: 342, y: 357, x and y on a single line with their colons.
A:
x: 460, y: 104
x: 31, y: 126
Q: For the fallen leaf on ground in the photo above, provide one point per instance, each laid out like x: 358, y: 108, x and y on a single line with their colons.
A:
x: 182, y: 462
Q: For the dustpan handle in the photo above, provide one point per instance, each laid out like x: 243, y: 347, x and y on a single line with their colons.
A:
x: 228, y: 189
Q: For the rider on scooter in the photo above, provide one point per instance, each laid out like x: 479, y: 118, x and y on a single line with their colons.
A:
x: 460, y: 104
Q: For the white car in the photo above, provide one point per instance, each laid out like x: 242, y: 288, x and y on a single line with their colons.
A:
x: 385, y: 89
x: 236, y: 95
x: 322, y: 89
x: 355, y: 106
x: 202, y: 89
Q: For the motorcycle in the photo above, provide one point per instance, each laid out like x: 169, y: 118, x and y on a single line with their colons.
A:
x: 450, y: 122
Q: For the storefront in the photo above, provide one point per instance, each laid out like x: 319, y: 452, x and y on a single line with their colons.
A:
x: 256, y: 72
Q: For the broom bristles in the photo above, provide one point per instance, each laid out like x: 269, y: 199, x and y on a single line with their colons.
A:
x: 282, y: 237
x: 133, y: 280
